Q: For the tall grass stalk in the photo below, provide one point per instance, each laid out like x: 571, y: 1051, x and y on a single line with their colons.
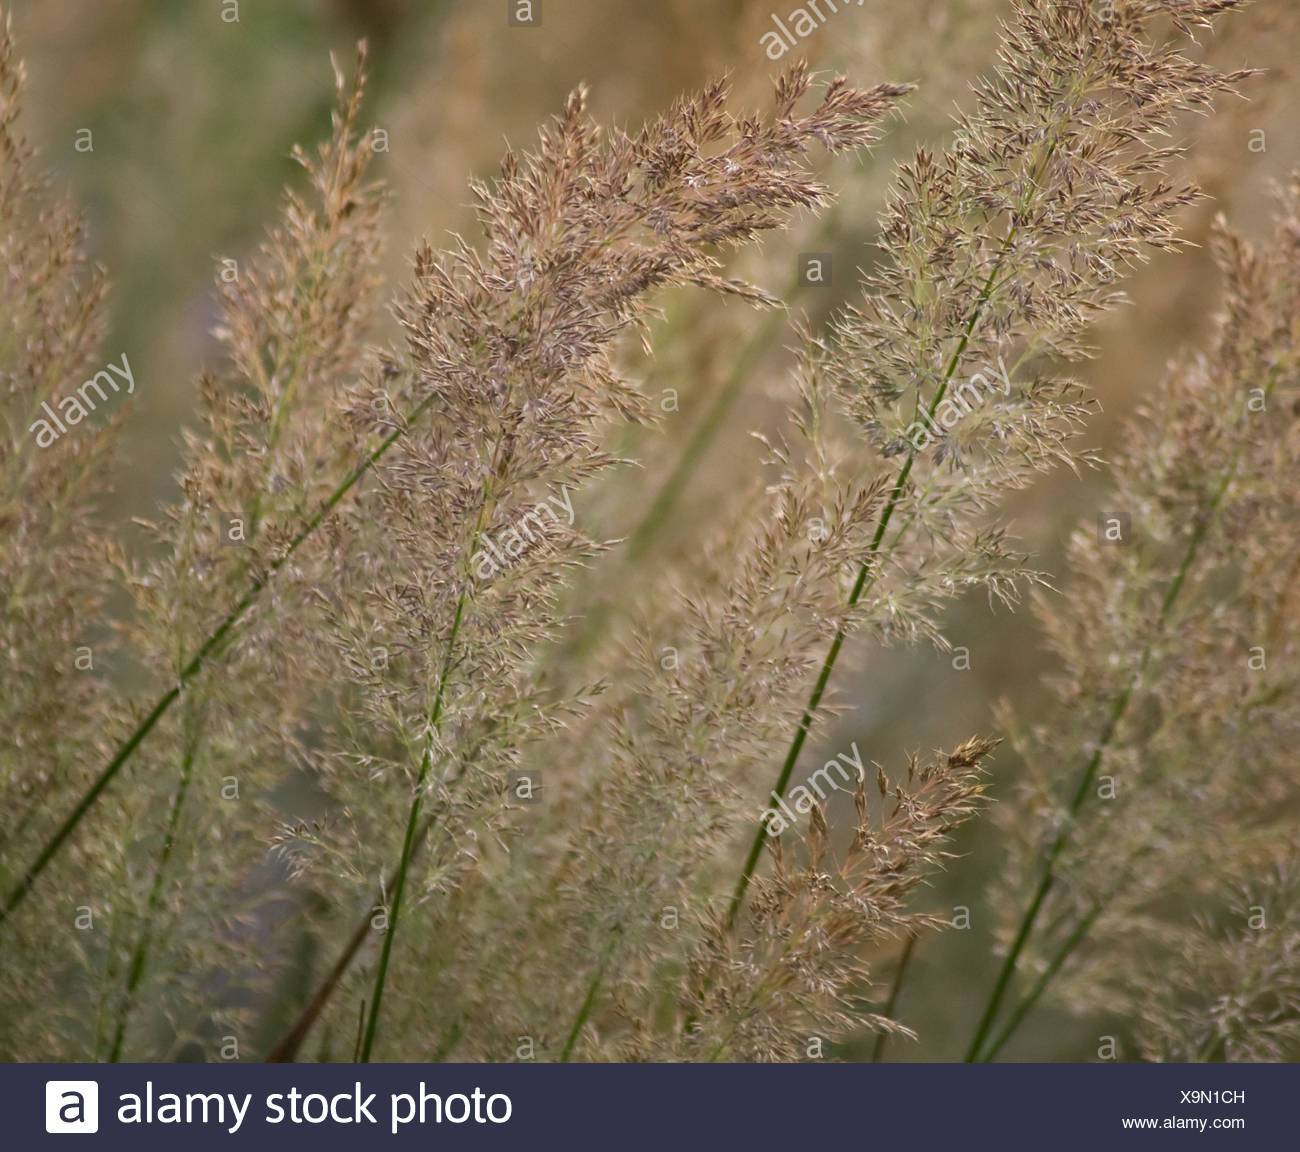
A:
x: 1086, y: 780
x: 1082, y: 99
x: 340, y: 844
x: 1218, y: 495
x: 209, y: 650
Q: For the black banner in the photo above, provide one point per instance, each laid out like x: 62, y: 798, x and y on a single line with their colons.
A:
x: 652, y: 1107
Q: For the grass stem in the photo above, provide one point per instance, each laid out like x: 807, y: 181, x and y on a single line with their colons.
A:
x: 140, y: 954
x: 864, y: 581
x: 412, y: 823
x: 209, y: 649
x: 1047, y: 876
x: 882, y: 1038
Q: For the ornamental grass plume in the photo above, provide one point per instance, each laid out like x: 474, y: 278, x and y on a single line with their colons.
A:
x: 53, y: 322
x: 294, y: 324
x: 572, y: 943
x: 365, y: 805
x: 1225, y: 985
x: 998, y: 254
x: 452, y: 561
x: 1177, y: 706
x: 793, y: 972
x: 507, y: 358
x: 54, y: 703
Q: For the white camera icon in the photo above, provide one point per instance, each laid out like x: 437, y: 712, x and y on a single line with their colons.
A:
x: 72, y: 1106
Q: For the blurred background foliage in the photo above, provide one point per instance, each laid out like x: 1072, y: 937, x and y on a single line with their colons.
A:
x: 192, y: 115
